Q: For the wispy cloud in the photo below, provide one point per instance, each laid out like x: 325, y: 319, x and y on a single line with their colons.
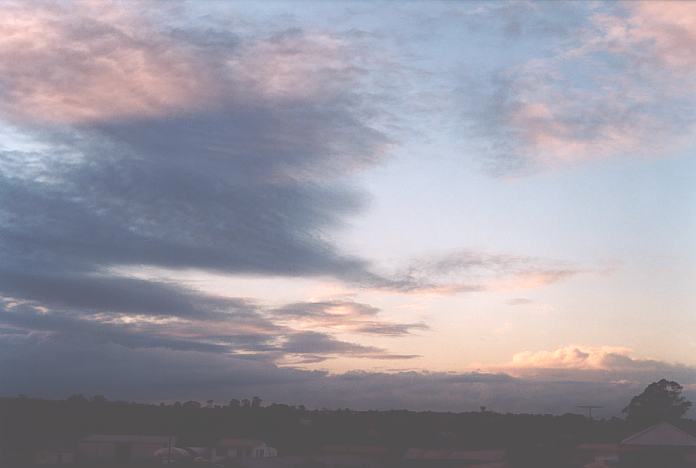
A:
x: 236, y: 328
x: 620, y: 85
x: 475, y: 271
x: 519, y: 301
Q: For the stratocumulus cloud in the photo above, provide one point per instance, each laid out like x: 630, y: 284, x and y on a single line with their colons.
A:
x: 139, y: 138
x: 610, y: 90
x: 152, y: 375
x: 177, y: 148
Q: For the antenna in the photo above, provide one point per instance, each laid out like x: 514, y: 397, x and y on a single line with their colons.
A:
x: 589, y: 409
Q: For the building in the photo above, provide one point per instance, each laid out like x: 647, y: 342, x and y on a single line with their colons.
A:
x: 121, y: 449
x: 233, y: 447
x: 660, y: 445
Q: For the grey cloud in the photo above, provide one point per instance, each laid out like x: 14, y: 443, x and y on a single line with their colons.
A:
x: 244, y: 333
x: 348, y: 315
x: 51, y: 367
x: 393, y: 329
x: 206, y: 169
x: 322, y: 309
x: 518, y: 301
x: 106, y: 293
x: 79, y: 329
x: 43, y: 366
x: 250, y: 183
x: 320, y: 343
x: 314, y: 343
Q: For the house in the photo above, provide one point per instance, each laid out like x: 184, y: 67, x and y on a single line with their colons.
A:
x: 121, y: 449
x: 660, y: 445
x: 234, y: 447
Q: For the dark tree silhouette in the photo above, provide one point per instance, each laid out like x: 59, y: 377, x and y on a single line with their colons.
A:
x: 539, y: 441
x: 660, y: 401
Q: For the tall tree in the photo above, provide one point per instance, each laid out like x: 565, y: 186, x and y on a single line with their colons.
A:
x: 660, y: 401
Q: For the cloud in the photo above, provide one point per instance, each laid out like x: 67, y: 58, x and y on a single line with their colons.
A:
x: 292, y: 65
x: 316, y: 344
x: 519, y: 301
x: 591, y: 364
x: 239, y: 175
x: 94, y: 293
x: 471, y: 271
x: 343, y: 316
x: 163, y: 146
x: 123, y: 172
x: 620, y: 85
x: 95, y: 62
x: 187, y: 320
x: 569, y: 357
x: 36, y: 364
x: 662, y: 34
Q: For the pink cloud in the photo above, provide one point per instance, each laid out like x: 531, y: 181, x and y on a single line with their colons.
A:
x: 586, y: 362
x: 617, y: 90
x: 94, y: 62
x: 569, y: 357
x: 101, y: 61
x: 294, y: 65
x: 661, y: 31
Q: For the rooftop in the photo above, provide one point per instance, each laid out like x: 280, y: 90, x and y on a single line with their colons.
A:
x: 661, y: 435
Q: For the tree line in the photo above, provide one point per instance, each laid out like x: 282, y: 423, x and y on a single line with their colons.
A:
x: 27, y: 423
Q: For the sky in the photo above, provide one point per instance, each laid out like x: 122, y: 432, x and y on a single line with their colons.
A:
x: 375, y: 205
